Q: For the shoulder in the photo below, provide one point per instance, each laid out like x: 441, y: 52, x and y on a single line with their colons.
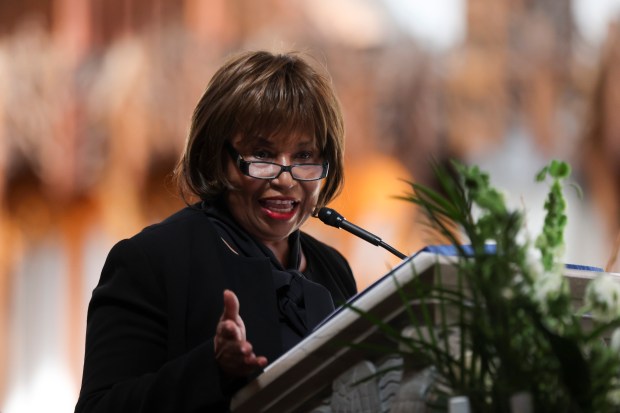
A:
x: 165, y: 250
x: 189, y: 216
x: 182, y: 226
x: 182, y: 235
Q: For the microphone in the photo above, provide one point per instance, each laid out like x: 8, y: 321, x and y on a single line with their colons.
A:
x: 334, y: 219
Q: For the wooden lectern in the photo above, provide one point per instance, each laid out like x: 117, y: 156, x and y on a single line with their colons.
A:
x: 312, y: 376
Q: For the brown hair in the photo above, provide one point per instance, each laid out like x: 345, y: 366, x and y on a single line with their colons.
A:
x: 260, y: 93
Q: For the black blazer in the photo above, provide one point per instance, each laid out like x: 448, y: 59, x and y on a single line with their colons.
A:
x: 152, y: 317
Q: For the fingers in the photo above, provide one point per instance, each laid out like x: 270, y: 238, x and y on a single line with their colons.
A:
x: 236, y: 358
x: 229, y: 330
x: 238, y: 362
x: 231, y: 312
x: 261, y: 361
x: 233, y: 352
x: 231, y: 306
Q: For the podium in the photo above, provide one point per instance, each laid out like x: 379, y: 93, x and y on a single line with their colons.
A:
x: 306, y: 378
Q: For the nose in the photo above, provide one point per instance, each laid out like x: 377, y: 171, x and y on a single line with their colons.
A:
x: 285, y: 179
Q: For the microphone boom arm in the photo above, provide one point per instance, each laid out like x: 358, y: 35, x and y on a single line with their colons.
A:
x: 332, y: 218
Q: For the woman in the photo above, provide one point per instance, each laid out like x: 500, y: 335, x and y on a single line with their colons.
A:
x: 190, y: 309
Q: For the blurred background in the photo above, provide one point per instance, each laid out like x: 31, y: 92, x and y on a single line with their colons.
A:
x: 96, y: 98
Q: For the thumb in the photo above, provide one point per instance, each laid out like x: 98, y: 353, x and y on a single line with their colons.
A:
x: 231, y: 306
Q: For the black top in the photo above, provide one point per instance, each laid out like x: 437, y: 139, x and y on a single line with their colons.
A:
x: 302, y: 303
x: 152, y: 317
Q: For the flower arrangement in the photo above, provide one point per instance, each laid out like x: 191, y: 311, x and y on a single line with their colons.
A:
x: 517, y: 333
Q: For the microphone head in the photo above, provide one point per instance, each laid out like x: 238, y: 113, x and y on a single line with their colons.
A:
x: 330, y: 217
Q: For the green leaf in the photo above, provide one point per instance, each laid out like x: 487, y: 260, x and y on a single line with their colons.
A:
x: 542, y: 174
x: 559, y: 169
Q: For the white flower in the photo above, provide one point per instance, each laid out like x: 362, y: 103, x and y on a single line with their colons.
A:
x: 533, y: 262
x: 603, y: 297
x: 559, y: 251
x: 508, y: 293
x: 523, y: 238
x: 548, y: 287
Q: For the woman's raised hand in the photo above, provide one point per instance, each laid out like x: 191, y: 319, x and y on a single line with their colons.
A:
x: 232, y: 351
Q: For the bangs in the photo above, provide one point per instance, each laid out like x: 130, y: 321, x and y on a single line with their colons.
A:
x: 262, y: 95
x: 283, y: 104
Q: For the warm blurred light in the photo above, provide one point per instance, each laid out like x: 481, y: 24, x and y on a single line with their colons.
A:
x: 51, y: 390
x: 354, y: 23
x: 437, y: 24
x: 594, y: 16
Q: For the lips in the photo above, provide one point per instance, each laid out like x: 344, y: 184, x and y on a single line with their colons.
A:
x: 279, y: 208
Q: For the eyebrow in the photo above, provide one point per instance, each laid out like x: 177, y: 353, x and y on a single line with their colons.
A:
x: 262, y: 141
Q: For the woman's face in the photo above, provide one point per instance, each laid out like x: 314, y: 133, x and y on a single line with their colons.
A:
x: 270, y: 210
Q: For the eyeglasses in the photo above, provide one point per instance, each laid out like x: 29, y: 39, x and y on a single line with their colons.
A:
x: 271, y: 170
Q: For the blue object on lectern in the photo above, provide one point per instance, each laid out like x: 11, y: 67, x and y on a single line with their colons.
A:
x: 451, y: 250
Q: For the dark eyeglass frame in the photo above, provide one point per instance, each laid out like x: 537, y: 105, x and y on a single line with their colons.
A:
x: 244, y: 166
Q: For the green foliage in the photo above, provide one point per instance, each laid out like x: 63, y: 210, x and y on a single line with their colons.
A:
x: 551, y: 240
x: 510, y: 313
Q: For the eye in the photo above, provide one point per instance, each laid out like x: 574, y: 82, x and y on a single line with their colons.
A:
x: 262, y: 154
x: 305, y: 156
